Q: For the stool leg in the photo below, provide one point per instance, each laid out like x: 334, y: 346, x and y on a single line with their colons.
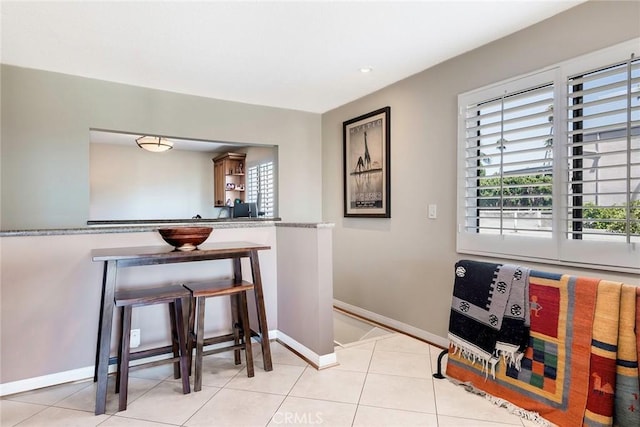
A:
x: 235, y: 322
x: 124, y: 359
x: 191, y: 330
x: 174, y: 339
x: 248, y: 351
x: 184, y: 363
x: 119, y: 349
x: 261, y: 311
x: 197, y: 384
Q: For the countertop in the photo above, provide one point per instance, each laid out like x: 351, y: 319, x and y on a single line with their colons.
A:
x: 135, y: 226
x: 177, y: 221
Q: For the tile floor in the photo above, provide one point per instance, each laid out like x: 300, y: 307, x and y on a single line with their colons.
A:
x: 384, y: 382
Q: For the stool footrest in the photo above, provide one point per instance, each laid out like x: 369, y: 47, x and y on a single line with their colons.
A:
x: 143, y: 354
x: 217, y: 288
x: 154, y: 363
x: 223, y: 349
x: 218, y: 340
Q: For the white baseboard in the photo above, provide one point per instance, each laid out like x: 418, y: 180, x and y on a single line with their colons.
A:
x: 319, y: 361
x: 81, y: 374
x: 46, y: 381
x: 391, y: 323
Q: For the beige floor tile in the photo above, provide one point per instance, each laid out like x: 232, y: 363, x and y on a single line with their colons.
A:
x: 296, y: 411
x: 278, y: 381
x: 395, y: 392
x: 402, y: 343
x: 283, y: 356
x: 414, y: 365
x: 329, y: 384
x: 368, y: 416
x: 54, y: 417
x: 218, y: 371
x: 446, y: 421
x: 455, y: 401
x: 236, y: 408
x: 117, y: 421
x: 85, y: 399
x: 354, y: 359
x: 12, y: 412
x: 366, y: 345
x: 49, y: 395
x: 165, y: 403
x: 159, y: 372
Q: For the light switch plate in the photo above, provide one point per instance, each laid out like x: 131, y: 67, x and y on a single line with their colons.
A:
x: 432, y: 211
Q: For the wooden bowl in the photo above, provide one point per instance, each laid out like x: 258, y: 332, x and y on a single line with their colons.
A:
x: 185, y: 238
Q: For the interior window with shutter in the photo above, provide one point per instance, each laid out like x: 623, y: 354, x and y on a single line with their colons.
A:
x: 260, y: 188
x: 509, y: 163
x: 604, y: 153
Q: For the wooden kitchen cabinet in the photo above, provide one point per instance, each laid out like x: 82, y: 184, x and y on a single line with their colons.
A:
x: 229, y: 178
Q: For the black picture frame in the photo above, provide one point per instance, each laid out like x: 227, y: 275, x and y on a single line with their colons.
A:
x: 367, y: 165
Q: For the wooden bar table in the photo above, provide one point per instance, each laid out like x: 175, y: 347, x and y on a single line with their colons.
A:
x: 115, y: 258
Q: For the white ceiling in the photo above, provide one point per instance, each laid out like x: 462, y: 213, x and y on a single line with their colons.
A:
x: 300, y: 55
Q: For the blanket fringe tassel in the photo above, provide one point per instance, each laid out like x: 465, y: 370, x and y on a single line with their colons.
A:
x: 510, y: 355
x: 462, y: 349
x: 513, y: 409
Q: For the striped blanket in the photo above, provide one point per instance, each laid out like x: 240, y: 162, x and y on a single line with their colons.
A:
x: 489, y: 316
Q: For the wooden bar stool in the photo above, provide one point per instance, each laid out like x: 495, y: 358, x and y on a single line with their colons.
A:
x: 127, y: 299
x: 241, y: 334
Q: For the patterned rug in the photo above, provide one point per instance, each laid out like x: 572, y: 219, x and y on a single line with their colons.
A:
x: 602, y: 365
x: 554, y: 377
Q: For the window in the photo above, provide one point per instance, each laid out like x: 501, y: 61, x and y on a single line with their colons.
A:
x: 260, y: 187
x: 509, y: 171
x: 549, y: 164
x: 604, y: 153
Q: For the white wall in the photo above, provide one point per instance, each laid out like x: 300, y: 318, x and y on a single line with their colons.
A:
x: 402, y: 268
x: 129, y: 183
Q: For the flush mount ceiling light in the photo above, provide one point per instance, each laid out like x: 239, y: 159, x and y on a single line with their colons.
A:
x: 366, y: 69
x: 155, y: 144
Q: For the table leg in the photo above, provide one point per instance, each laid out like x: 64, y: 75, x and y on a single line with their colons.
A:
x: 104, y: 334
x: 262, y: 313
x: 95, y: 366
x: 235, y: 309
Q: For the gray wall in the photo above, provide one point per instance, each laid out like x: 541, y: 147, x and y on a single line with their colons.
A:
x: 401, y: 267
x: 46, y: 119
x: 176, y: 184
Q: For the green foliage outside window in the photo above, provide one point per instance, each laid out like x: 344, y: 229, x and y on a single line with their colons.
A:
x: 602, y: 217
x: 519, y: 191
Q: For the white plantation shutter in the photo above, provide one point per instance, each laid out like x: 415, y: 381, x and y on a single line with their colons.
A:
x: 549, y: 164
x: 603, y: 148
x: 261, y: 183
x: 509, y: 163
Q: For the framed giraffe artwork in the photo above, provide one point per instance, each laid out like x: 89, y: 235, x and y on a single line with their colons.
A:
x: 366, y: 156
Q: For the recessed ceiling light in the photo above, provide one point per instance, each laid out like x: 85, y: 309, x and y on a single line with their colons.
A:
x: 366, y: 69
